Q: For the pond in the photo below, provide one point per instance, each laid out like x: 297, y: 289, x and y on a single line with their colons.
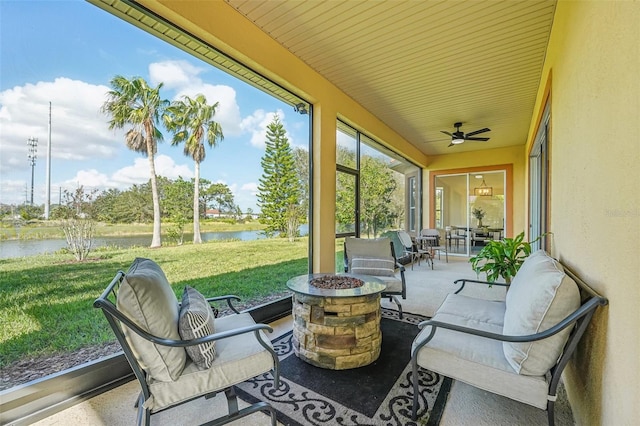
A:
x: 20, y: 248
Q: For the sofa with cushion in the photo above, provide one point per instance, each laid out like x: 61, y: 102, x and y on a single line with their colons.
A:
x: 179, y: 350
x: 516, y: 348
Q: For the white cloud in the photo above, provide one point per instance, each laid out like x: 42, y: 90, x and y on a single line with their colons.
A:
x: 139, y: 172
x: 167, y: 167
x: 78, y: 130
x: 89, y: 179
x: 245, y: 196
x: 251, y: 187
x: 122, y: 179
x: 174, y: 74
x: 257, y: 123
x: 227, y: 112
x: 12, y: 191
x: 185, y: 79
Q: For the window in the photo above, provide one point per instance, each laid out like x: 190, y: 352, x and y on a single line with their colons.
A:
x: 438, y: 207
x: 538, y: 183
x: 227, y: 200
x: 376, y: 189
x: 456, y: 203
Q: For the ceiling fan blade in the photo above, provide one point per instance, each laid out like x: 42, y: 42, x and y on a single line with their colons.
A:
x: 446, y: 133
x: 477, y: 132
x: 476, y: 139
x: 451, y: 144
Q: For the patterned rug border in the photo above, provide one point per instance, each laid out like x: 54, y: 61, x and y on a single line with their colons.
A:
x: 295, y: 403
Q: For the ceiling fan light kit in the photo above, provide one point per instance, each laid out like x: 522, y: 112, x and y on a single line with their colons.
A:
x: 458, y: 137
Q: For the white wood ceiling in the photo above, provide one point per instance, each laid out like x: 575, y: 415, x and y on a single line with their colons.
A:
x: 421, y: 66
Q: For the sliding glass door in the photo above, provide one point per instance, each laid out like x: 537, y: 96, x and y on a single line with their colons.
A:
x: 470, y: 207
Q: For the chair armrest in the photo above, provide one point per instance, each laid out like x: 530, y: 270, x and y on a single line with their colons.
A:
x: 110, y: 309
x: 400, y: 267
x: 228, y: 298
x: 464, y: 281
x: 256, y: 328
x: 587, y: 308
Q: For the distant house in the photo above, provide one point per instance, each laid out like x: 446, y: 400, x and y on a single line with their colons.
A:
x: 212, y: 213
x: 216, y: 213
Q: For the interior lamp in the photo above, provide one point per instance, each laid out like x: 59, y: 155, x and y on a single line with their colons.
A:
x: 483, y: 190
x: 457, y: 141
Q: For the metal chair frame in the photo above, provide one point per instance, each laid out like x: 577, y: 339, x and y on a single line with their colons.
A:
x: 430, y: 239
x: 579, y: 320
x: 413, y: 249
x: 117, y: 319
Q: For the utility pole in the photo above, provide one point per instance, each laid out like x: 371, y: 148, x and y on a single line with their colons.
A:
x: 32, y: 143
x: 47, y: 204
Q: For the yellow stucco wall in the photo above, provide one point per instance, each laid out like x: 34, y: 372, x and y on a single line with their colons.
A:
x: 595, y: 176
x: 594, y: 63
x: 512, y: 155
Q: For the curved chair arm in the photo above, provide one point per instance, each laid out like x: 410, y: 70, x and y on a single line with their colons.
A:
x: 110, y: 309
x: 113, y: 311
x: 464, y: 281
x: 228, y: 298
x: 404, y: 281
x: 587, y: 308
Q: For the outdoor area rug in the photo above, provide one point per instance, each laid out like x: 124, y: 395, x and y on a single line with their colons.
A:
x: 377, y: 394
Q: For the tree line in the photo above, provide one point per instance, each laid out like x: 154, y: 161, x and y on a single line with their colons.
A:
x: 283, y: 190
x: 133, y: 104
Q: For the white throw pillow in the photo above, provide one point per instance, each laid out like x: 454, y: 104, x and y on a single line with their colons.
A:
x: 383, y: 267
x: 146, y: 297
x: 540, y: 296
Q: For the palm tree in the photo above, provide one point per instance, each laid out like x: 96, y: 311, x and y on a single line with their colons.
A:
x: 191, y: 121
x: 133, y: 102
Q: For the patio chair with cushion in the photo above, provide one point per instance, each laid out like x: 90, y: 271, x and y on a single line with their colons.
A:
x: 412, y: 249
x: 432, y: 241
x: 515, y: 348
x: 377, y: 258
x: 457, y: 235
x: 180, y: 351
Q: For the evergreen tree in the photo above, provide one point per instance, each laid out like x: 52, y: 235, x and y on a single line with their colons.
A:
x: 279, y: 189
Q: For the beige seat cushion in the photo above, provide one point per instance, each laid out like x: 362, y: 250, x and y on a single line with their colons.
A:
x: 540, y: 296
x: 237, y: 358
x: 476, y: 360
x: 146, y: 297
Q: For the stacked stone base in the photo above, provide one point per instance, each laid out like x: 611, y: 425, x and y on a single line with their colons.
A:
x: 337, y: 333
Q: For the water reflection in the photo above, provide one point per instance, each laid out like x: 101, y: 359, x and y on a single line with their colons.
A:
x: 20, y: 248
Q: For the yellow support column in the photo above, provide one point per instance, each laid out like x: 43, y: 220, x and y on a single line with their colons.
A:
x: 324, y: 187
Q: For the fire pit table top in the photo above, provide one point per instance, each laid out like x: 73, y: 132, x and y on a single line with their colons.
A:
x: 302, y: 284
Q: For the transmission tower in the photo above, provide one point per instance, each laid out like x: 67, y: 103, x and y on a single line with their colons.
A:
x: 32, y: 143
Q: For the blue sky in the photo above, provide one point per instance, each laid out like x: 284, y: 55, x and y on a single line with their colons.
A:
x: 66, y: 52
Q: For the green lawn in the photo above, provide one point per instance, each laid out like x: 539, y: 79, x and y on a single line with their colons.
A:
x: 46, y: 301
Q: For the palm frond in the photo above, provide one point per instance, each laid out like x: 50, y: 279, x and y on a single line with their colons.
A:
x: 135, y: 141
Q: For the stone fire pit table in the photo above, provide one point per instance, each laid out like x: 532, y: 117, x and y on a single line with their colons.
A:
x: 339, y: 328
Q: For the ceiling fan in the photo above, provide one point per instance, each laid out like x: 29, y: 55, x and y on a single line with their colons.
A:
x: 459, y: 137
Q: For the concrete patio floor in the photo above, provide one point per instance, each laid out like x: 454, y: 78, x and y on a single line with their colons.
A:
x: 426, y: 289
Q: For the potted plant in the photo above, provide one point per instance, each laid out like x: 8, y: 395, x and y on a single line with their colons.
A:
x: 502, y: 258
x: 479, y: 214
